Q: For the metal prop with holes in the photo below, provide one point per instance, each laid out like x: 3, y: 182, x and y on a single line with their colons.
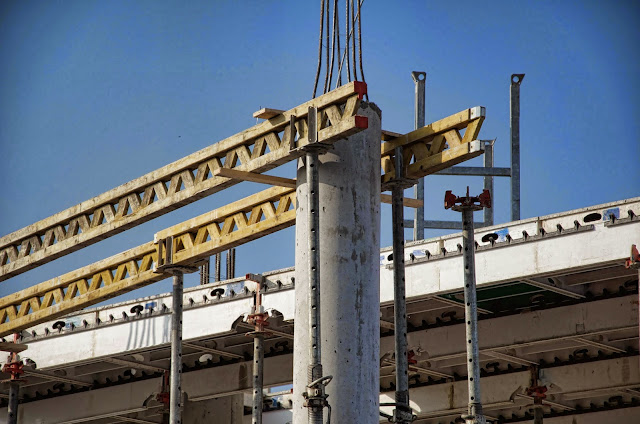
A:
x: 467, y: 205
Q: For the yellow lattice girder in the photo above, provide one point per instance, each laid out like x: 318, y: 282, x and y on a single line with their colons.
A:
x: 434, y: 147
x: 257, y: 149
x: 231, y: 225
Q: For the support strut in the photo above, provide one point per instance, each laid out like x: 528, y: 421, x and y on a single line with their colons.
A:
x: 13, y: 367
x: 175, y: 380
x: 402, y: 412
x: 516, y: 80
x: 467, y: 205
x: 419, y: 80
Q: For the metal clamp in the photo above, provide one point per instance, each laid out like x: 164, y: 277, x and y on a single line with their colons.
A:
x: 315, y: 396
x: 401, y: 414
x: 475, y: 203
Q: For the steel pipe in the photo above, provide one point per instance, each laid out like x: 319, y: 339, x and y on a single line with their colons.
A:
x: 12, y: 409
x: 471, y: 315
x: 175, y: 391
x: 488, y: 181
x: 516, y: 80
x: 258, y: 364
x: 402, y: 413
x: 419, y: 80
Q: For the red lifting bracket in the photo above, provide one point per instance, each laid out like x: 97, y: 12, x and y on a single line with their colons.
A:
x: 360, y: 88
x: 476, y: 203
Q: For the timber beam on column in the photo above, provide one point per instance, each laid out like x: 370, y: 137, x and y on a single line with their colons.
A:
x: 257, y: 149
x: 229, y: 226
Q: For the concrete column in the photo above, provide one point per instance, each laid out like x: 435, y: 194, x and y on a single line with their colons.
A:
x: 349, y: 277
x: 225, y: 410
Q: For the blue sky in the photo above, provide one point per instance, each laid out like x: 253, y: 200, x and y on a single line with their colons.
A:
x: 97, y: 93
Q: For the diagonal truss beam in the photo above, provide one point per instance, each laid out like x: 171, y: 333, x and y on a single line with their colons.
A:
x: 434, y: 147
x: 257, y: 149
x: 229, y: 226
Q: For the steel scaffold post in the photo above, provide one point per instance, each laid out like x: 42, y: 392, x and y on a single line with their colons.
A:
x: 467, y: 205
x: 175, y: 392
x: 402, y: 413
x: 516, y: 80
x: 488, y: 181
x: 419, y: 80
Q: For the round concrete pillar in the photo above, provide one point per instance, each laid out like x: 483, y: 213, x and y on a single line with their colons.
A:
x: 349, y: 277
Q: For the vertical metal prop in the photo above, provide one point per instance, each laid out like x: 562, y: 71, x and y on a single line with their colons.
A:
x: 12, y: 409
x: 516, y: 80
x: 419, y: 79
x: 402, y: 413
x: 467, y: 205
x: 316, y: 413
x: 258, y: 363
x: 471, y: 314
x: 259, y: 318
x: 488, y: 181
x: 175, y: 392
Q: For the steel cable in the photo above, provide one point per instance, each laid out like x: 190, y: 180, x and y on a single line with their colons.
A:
x: 315, y: 85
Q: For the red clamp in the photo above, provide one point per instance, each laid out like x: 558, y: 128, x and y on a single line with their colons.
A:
x: 411, y: 358
x: 451, y: 201
x: 15, y: 368
x: 538, y: 393
x: 163, y: 397
x: 634, y: 258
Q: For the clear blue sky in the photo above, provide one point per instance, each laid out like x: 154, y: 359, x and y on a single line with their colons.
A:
x: 96, y: 93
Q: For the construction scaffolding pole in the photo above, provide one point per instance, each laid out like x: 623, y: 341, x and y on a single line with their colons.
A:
x: 259, y: 318
x: 175, y: 391
x: 516, y: 80
x: 419, y: 80
x: 402, y: 413
x: 12, y: 409
x: 467, y: 205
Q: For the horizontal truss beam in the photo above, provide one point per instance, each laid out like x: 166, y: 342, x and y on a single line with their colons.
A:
x: 229, y: 226
x: 257, y: 149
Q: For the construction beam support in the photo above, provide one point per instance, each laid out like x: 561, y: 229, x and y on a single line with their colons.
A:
x: 193, y: 240
x: 257, y: 149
